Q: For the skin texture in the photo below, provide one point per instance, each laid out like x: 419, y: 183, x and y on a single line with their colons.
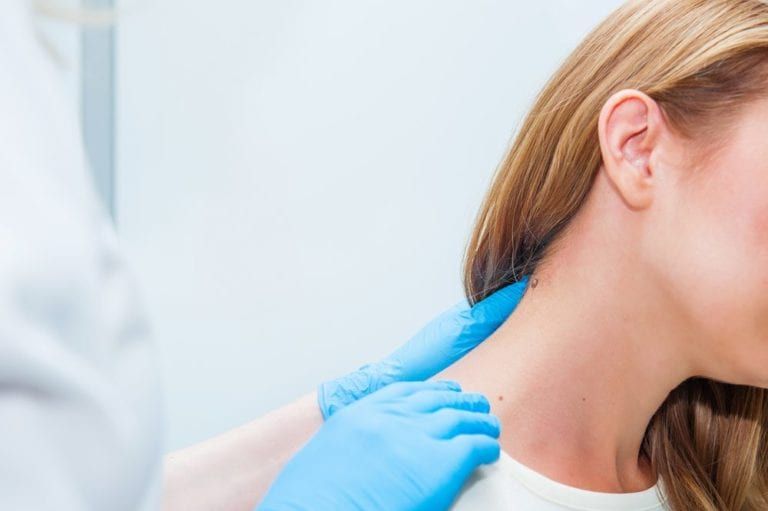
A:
x: 662, y: 275
x: 233, y: 471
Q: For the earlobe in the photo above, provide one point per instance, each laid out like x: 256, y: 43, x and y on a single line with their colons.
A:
x: 627, y: 130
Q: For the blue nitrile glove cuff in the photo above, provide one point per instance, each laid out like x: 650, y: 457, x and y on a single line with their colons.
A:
x: 335, y: 394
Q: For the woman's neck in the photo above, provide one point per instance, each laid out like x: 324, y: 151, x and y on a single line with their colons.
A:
x: 577, y: 371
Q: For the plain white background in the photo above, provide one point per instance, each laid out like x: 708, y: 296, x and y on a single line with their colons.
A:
x: 296, y: 180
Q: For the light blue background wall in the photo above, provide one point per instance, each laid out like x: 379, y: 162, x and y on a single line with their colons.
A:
x: 296, y: 181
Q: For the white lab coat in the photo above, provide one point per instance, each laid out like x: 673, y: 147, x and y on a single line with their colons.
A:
x: 79, y: 398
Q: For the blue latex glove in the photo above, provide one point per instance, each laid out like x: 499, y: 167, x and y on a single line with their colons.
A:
x: 442, y: 342
x: 410, y: 446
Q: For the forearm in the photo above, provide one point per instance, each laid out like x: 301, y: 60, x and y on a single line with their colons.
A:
x: 233, y: 471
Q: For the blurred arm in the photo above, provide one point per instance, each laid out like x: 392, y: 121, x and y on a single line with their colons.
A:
x: 234, y: 470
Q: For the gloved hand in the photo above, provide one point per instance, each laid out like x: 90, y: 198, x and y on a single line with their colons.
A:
x: 442, y: 342
x: 410, y: 446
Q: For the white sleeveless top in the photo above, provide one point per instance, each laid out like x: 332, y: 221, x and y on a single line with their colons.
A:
x: 508, y: 485
x: 80, y: 402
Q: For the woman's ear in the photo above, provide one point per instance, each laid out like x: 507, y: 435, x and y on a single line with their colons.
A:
x: 628, y: 128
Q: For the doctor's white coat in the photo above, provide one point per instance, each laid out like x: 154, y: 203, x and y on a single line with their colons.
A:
x: 79, y: 397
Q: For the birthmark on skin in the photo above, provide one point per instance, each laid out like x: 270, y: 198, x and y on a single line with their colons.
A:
x: 534, y: 283
x: 501, y: 398
x: 584, y: 399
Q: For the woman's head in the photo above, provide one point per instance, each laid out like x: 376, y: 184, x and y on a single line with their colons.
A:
x: 652, y: 130
x: 692, y: 216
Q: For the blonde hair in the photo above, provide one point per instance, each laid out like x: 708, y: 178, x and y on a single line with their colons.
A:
x: 702, y: 61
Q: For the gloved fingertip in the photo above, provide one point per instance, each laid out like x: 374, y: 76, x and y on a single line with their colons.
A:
x: 482, y: 404
x: 496, y: 424
x: 504, y: 301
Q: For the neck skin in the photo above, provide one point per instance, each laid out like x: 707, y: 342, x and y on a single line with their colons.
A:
x: 578, y: 370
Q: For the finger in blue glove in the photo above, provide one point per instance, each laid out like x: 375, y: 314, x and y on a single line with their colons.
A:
x: 443, y: 341
x: 410, y: 446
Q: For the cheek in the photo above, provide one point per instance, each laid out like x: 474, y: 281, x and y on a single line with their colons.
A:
x: 739, y: 220
x: 756, y: 238
x: 721, y: 267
